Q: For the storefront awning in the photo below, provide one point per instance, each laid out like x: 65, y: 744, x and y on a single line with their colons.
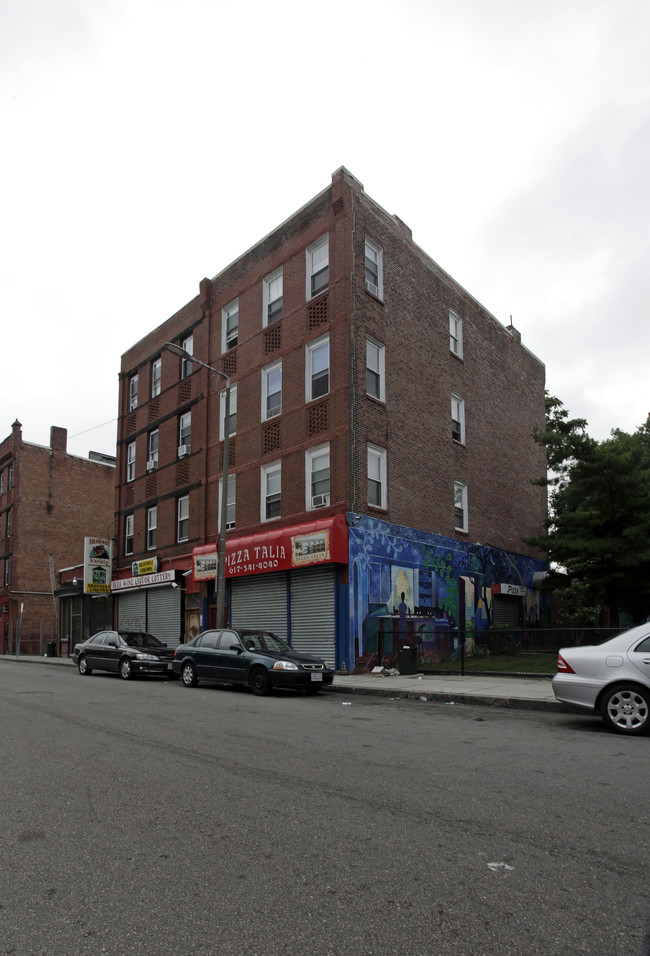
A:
x: 297, y: 546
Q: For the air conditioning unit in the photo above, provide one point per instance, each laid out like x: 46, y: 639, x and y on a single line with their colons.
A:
x: 183, y: 451
x: 272, y: 412
x: 152, y: 464
x: 320, y: 501
x: 371, y: 287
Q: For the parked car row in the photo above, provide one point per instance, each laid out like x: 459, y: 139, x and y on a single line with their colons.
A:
x: 249, y: 656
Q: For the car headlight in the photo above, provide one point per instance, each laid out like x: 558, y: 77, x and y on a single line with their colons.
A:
x: 141, y: 656
x: 285, y: 666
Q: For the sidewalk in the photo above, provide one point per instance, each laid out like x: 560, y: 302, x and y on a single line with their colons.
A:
x: 513, y: 692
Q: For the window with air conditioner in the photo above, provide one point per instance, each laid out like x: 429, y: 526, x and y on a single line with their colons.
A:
x: 272, y: 298
x: 318, y: 270
x: 374, y: 268
x: 230, y: 326
x: 317, y: 473
x: 184, y: 434
x: 271, y: 390
x: 152, y: 456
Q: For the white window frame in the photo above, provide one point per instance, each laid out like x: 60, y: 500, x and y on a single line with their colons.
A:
x: 231, y: 501
x: 233, y: 411
x: 310, y: 349
x: 153, y: 445
x: 266, y: 376
x: 271, y: 471
x: 133, y: 392
x: 455, y: 334
x: 458, y: 415
x: 318, y: 259
x: 183, y: 518
x: 152, y: 527
x: 156, y: 377
x: 375, y: 350
x: 460, y: 506
x: 229, y: 339
x: 376, y: 257
x: 185, y: 429
x: 378, y: 472
x: 129, y: 523
x: 311, y: 457
x: 7, y: 572
x: 271, y: 284
x: 186, y: 366
x: 130, y: 461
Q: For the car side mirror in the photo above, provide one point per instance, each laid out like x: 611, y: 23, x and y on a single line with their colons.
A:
x: 236, y: 647
x: 112, y: 644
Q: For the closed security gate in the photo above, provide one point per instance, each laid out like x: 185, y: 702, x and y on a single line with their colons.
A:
x: 132, y: 611
x: 260, y: 601
x: 164, y: 615
x: 505, y: 610
x: 313, y: 612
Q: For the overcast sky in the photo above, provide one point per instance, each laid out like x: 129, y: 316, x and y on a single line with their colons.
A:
x: 148, y: 143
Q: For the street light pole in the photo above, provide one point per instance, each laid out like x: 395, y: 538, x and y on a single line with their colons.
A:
x: 221, y: 565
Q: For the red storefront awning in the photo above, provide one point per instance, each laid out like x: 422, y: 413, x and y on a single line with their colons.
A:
x: 298, y: 546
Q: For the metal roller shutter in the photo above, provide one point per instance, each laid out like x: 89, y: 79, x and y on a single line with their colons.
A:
x: 132, y: 611
x: 164, y: 615
x: 313, y: 612
x: 505, y: 610
x: 260, y: 601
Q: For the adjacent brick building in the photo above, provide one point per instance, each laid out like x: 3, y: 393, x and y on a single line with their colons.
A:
x: 381, y: 455
x: 49, y: 501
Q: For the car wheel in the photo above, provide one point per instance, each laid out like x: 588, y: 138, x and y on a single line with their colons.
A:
x: 188, y: 675
x: 126, y: 672
x: 260, y: 682
x: 84, y: 668
x: 626, y: 709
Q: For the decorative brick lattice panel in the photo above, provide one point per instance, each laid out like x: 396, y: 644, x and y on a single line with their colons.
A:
x: 317, y: 419
x: 151, y: 486
x: 272, y: 339
x: 128, y: 497
x: 130, y: 424
x: 229, y: 365
x: 337, y: 207
x: 154, y: 410
x: 317, y: 313
x: 182, y: 473
x: 271, y: 438
x: 231, y: 454
x: 185, y: 391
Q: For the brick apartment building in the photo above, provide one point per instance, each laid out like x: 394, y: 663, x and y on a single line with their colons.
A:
x: 49, y: 501
x: 380, y: 447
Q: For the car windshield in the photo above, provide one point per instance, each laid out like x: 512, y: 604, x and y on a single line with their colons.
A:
x: 139, y: 639
x: 264, y: 641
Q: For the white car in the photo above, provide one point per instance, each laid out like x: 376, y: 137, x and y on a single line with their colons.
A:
x: 612, y: 679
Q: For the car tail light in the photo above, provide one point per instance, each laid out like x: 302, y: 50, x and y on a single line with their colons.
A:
x: 563, y: 667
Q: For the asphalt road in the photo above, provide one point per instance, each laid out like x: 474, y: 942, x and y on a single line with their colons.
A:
x: 147, y: 818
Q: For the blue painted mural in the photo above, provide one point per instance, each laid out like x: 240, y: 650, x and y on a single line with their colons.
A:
x: 407, y: 586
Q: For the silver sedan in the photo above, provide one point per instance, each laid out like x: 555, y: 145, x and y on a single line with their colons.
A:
x: 612, y: 679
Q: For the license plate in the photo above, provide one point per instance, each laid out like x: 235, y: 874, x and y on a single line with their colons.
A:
x: 170, y: 666
x: 317, y: 677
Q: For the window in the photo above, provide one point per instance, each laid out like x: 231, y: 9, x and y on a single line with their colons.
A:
x: 232, y: 417
x: 7, y: 573
x: 272, y: 297
x: 186, y: 365
x: 10, y: 483
x: 458, y: 419
x: 133, y: 392
x: 317, y: 471
x: 460, y: 506
x: 130, y: 462
x: 152, y: 457
x: 377, y: 476
x: 230, y: 501
x: 184, y: 434
x: 229, y: 326
x: 374, y: 268
x: 318, y: 368
x: 375, y: 370
x: 318, y: 267
x: 271, y: 391
x: 128, y: 535
x: 183, y: 518
x: 455, y: 334
x: 156, y: 377
x: 271, y: 491
x: 2, y: 482
x: 8, y: 524
x: 152, y: 522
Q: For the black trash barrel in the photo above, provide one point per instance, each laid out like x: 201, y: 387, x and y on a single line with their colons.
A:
x: 50, y: 649
x: 407, y: 660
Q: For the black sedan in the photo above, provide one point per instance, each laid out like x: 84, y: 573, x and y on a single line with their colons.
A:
x: 127, y: 653
x: 249, y: 655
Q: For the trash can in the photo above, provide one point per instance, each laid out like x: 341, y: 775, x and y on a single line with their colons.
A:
x: 50, y: 649
x: 407, y: 659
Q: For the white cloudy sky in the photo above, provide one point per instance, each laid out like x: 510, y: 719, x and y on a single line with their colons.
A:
x: 147, y: 143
